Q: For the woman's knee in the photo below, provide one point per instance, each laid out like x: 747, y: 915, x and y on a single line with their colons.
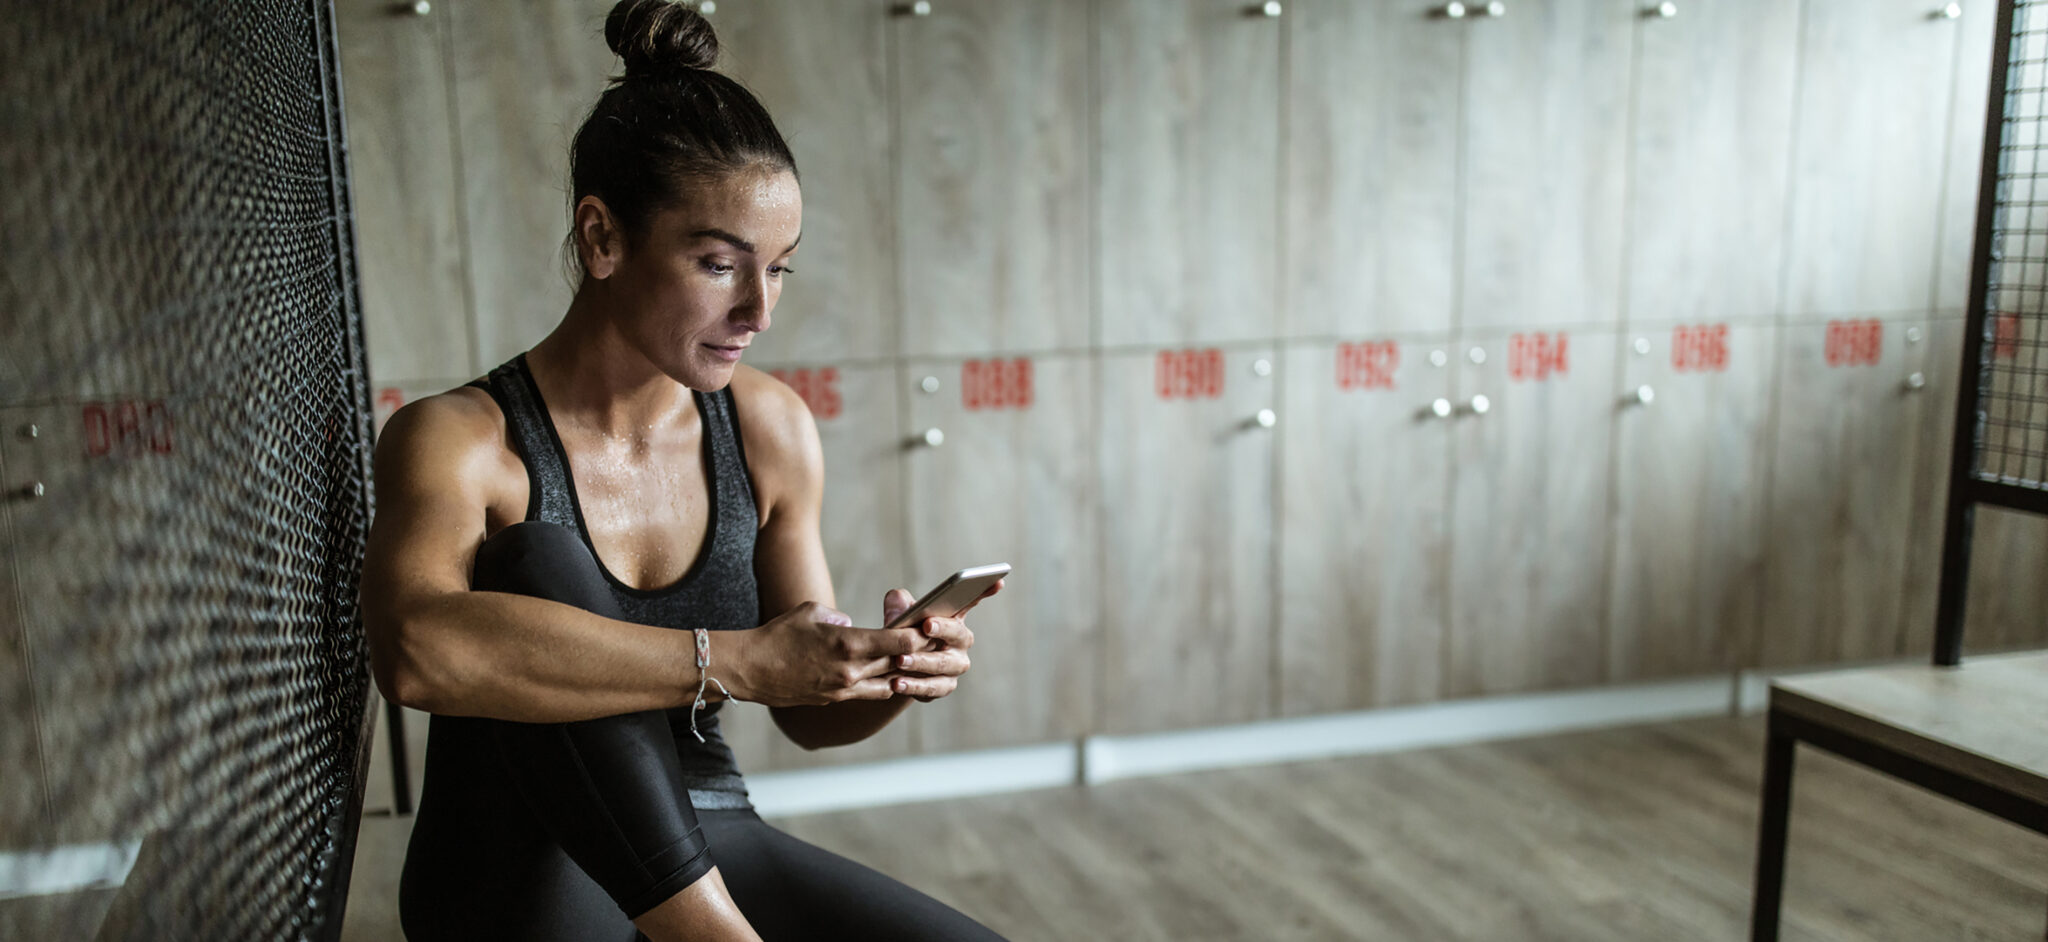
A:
x: 543, y: 560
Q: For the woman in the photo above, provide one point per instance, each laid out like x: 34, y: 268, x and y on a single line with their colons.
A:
x: 544, y: 532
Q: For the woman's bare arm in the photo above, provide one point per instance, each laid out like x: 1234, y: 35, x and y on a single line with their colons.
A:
x: 438, y: 646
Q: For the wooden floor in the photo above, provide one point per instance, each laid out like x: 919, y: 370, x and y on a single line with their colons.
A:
x: 1636, y: 834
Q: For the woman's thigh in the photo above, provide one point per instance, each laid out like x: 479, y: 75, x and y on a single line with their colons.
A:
x: 791, y: 890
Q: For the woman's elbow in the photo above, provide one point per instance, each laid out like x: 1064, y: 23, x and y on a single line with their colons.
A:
x: 399, y: 666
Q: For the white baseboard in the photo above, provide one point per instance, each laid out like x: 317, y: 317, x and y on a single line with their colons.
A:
x: 921, y: 778
x: 1106, y: 758
x: 66, y: 868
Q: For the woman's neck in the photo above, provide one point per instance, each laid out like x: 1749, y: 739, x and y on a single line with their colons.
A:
x: 591, y: 375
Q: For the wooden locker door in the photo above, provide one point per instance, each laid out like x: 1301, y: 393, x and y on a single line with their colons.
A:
x: 1012, y: 481
x: 1842, y: 501
x: 526, y: 74
x: 992, y: 177
x: 394, y: 69
x: 1188, y: 162
x: 1365, y: 464
x: 1692, y: 437
x: 855, y: 407
x: 23, y: 803
x: 1529, y: 511
x: 1372, y: 164
x: 1187, y: 574
x: 1967, y: 119
x: 1708, y: 162
x: 1876, y: 79
x: 821, y: 67
x: 1546, y: 133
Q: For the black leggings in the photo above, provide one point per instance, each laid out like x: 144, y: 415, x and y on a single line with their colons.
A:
x: 567, y: 830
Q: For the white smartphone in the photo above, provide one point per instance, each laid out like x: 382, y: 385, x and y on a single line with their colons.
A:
x: 951, y: 597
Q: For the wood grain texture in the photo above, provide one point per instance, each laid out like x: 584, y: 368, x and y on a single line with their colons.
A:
x: 1186, y: 214
x: 409, y: 248
x: 1372, y: 162
x: 1364, y: 527
x: 1708, y: 161
x: 992, y: 177
x: 1689, y: 501
x: 864, y: 544
x: 1967, y: 115
x: 1017, y: 486
x: 1985, y: 720
x: 527, y: 72
x: 23, y: 803
x: 1546, y: 132
x: 1841, y: 504
x: 821, y: 67
x: 1869, y: 150
x: 1937, y: 356
x: 1617, y: 835
x: 1188, y: 597
x: 1528, y: 521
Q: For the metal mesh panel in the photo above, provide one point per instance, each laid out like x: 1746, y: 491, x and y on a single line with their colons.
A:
x: 2012, y: 428
x: 182, y: 670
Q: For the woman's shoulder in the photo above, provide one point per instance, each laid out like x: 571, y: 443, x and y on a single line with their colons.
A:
x: 460, y: 432
x: 775, y: 425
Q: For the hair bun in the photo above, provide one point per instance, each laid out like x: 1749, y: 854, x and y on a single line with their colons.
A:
x: 659, y: 38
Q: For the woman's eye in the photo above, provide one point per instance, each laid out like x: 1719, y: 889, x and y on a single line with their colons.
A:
x: 780, y: 270
x: 718, y: 268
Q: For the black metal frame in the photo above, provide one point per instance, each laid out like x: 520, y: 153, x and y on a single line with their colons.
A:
x: 1965, y: 488
x: 1786, y: 733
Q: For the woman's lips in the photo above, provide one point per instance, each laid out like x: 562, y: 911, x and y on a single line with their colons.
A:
x: 730, y: 354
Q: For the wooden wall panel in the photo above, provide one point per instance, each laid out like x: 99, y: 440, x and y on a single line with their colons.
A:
x: 1936, y: 351
x: 822, y: 69
x: 1966, y: 152
x: 1869, y: 151
x: 1372, y: 165
x: 992, y: 181
x: 1528, y: 514
x: 416, y: 318
x: 1842, y: 500
x: 1013, y: 482
x: 856, y: 408
x: 1187, y: 572
x: 527, y: 72
x: 1546, y: 129
x: 1186, y: 217
x: 1690, y: 471
x: 1365, y: 467
x: 1711, y: 137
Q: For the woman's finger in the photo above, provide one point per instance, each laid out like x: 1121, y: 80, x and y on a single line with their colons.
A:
x: 952, y: 631
x: 950, y: 663
x: 924, y: 688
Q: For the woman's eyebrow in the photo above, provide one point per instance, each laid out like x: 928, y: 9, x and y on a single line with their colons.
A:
x: 724, y: 236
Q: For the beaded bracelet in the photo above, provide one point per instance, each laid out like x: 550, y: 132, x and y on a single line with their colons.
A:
x: 703, y: 677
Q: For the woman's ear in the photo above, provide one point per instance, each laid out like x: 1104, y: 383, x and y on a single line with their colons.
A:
x: 599, y: 241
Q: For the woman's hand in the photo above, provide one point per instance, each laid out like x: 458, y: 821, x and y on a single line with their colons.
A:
x: 811, y: 655
x: 933, y: 670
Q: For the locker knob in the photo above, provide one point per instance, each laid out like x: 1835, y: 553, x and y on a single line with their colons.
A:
x: 419, y: 8
x: 929, y: 384
x: 1642, y: 346
x: 1477, y: 405
x: 1951, y: 12
x: 920, y: 8
x: 31, y: 430
x: 1496, y: 9
x: 1642, y: 396
x: 1270, y: 9
x: 1438, y: 358
x: 1913, y: 335
x: 1262, y: 367
x: 1662, y: 11
x: 707, y: 8
x: 1916, y: 382
x: 1440, y: 408
x: 1476, y: 355
x: 1454, y: 11
x: 1265, y: 419
x: 932, y: 438
x: 32, y: 491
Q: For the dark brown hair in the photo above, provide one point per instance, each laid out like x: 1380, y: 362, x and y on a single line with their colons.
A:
x: 669, y: 121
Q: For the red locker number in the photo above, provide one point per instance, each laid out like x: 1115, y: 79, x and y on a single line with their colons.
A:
x: 1189, y: 374
x: 1538, y: 356
x: 819, y: 389
x: 1368, y: 365
x: 126, y: 428
x: 996, y: 384
x: 1855, y: 343
x: 1701, y: 349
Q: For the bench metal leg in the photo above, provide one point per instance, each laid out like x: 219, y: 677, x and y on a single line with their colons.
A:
x: 1779, y: 750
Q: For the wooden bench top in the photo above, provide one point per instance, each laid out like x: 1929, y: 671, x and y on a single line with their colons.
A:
x: 1986, y: 719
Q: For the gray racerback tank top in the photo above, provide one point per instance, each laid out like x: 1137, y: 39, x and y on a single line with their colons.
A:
x: 718, y: 592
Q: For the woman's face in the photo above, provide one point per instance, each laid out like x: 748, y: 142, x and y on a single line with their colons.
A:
x: 697, y: 285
